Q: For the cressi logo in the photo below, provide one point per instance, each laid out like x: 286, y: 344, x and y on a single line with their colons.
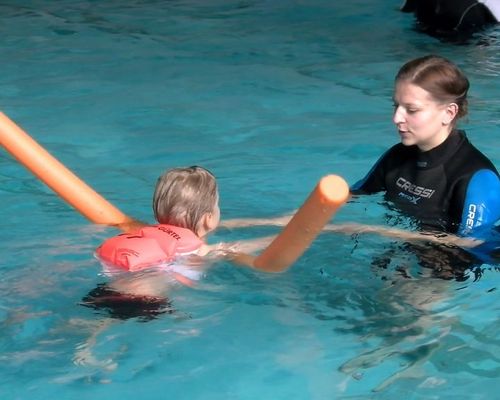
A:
x: 471, y: 215
x: 413, y: 189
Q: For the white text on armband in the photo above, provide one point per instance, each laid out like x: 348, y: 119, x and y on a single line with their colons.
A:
x: 471, y: 214
x: 414, y: 189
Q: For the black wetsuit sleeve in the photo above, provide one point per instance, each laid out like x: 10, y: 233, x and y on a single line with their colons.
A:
x: 374, y: 181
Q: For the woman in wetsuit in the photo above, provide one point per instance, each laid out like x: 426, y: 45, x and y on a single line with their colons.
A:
x: 435, y: 174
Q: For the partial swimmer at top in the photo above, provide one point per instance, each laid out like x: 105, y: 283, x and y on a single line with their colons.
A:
x: 453, y: 20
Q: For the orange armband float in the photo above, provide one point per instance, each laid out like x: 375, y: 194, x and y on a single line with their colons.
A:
x: 328, y: 196
x: 55, y: 175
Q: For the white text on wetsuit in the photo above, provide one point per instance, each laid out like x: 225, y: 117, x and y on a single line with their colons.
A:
x: 471, y: 215
x: 414, y: 189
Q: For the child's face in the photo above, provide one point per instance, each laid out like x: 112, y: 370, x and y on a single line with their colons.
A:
x: 214, y: 219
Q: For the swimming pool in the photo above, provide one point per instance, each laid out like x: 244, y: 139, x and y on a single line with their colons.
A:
x: 270, y: 96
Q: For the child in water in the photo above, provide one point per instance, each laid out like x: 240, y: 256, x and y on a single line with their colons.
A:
x: 186, y: 207
x: 148, y: 260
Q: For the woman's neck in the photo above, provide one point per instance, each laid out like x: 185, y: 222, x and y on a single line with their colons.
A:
x: 439, y: 139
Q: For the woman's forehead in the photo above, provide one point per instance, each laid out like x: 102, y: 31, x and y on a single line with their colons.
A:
x: 407, y: 92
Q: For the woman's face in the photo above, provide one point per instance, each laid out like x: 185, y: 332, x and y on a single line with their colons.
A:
x: 420, y: 119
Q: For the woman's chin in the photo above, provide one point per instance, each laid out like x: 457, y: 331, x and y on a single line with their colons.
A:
x: 407, y: 141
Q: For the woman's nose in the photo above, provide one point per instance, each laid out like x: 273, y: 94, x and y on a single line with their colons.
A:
x: 397, y: 118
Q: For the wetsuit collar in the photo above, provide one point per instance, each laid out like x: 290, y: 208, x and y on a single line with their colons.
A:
x: 438, y: 155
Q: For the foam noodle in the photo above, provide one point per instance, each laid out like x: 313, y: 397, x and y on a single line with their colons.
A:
x: 331, y: 193
x: 55, y: 175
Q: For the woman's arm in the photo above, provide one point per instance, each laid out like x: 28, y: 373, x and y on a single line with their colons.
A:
x: 355, y: 228
x: 246, y: 222
x: 401, y: 234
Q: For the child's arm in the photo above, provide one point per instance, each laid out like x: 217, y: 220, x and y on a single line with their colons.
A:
x: 228, y: 250
x: 242, y: 252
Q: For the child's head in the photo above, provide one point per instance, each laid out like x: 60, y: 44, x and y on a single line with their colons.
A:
x: 187, y: 198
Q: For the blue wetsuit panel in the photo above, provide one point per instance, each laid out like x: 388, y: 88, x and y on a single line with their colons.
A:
x: 481, y: 205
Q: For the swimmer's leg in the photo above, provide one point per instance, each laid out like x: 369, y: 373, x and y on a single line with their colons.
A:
x: 84, y: 355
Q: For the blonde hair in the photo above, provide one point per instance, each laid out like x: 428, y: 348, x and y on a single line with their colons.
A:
x: 183, y: 196
x: 440, y: 77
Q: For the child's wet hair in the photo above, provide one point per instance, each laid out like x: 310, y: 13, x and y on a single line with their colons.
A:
x: 183, y: 196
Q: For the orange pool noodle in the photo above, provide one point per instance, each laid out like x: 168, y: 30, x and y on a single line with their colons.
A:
x: 331, y: 193
x: 55, y: 175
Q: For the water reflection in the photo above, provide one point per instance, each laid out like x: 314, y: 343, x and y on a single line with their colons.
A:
x: 410, y: 317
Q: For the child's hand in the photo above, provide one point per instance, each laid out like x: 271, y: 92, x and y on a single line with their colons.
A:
x: 131, y: 225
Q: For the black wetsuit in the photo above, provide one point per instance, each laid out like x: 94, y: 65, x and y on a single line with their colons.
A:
x: 445, y: 18
x: 452, y: 188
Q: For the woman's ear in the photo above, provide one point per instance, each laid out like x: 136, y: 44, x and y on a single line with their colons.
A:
x: 451, y: 112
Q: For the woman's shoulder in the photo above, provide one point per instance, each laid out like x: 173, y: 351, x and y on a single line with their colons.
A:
x: 475, y: 158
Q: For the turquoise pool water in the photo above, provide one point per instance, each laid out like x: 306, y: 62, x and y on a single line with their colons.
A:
x: 269, y: 95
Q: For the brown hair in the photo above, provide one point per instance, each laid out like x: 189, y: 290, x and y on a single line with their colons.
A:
x: 183, y: 196
x: 440, y: 77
